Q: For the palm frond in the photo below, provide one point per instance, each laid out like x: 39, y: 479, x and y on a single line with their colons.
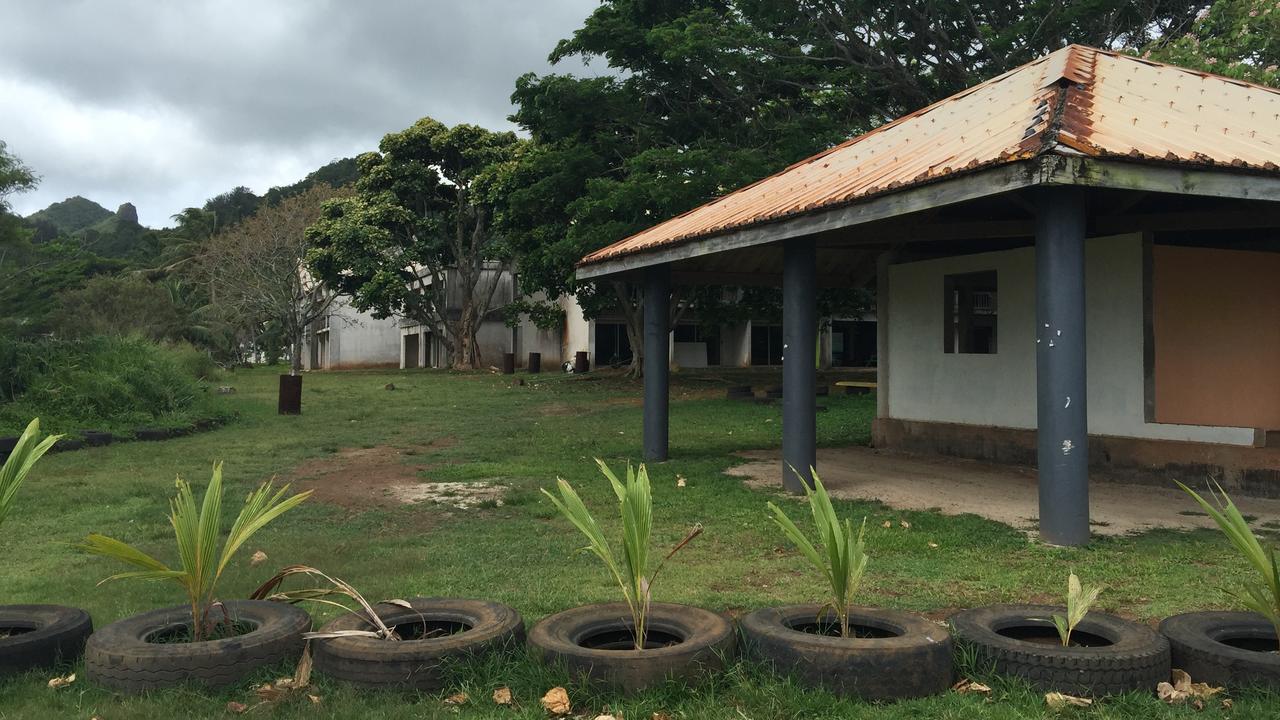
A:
x: 22, y: 458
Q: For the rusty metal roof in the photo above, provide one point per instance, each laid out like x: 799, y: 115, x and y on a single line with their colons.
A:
x: 1077, y: 100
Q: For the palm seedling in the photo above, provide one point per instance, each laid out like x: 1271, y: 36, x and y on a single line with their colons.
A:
x: 19, y: 463
x: 1079, y: 600
x: 337, y: 587
x: 842, y: 559
x: 1261, y: 595
x: 632, y: 571
x: 198, y: 531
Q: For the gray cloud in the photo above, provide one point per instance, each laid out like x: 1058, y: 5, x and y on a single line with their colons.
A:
x: 166, y: 104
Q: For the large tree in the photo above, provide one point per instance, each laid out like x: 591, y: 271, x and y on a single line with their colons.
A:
x: 1236, y: 38
x: 704, y: 96
x: 417, y: 240
x: 256, y: 269
x: 15, y: 177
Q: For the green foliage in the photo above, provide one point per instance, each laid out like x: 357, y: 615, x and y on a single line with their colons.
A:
x: 337, y: 174
x: 29, y: 449
x: 1263, y: 594
x: 1079, y: 600
x: 632, y: 573
x: 544, y: 315
x: 1236, y: 38
x: 116, y: 306
x: 843, y: 558
x: 197, y: 531
x: 74, y: 213
x: 103, y: 383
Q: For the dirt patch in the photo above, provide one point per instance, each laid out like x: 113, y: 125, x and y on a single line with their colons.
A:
x: 386, y: 476
x: 557, y: 409
x: 1002, y: 493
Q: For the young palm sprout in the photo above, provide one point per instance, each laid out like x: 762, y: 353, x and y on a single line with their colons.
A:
x: 842, y: 560
x: 1263, y: 594
x: 197, y: 532
x: 1079, y: 600
x: 636, y: 505
x: 19, y: 463
x: 270, y: 590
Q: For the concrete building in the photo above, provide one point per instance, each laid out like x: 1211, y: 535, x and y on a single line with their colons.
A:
x: 347, y: 339
x: 1074, y: 263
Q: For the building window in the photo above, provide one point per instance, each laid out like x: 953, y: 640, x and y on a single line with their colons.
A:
x: 969, y: 313
x: 766, y: 344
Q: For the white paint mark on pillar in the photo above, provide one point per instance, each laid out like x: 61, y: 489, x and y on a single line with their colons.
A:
x: 1059, y: 333
x: 1067, y: 447
x: 1068, y: 402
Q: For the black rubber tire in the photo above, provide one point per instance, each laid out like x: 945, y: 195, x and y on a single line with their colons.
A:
x: 916, y: 662
x: 119, y: 657
x: 97, y: 438
x: 54, y: 635
x: 1136, y: 659
x: 152, y: 434
x: 707, y: 644
x: 1195, y: 640
x: 417, y: 664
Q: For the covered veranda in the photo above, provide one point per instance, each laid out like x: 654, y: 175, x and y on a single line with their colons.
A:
x: 1077, y: 145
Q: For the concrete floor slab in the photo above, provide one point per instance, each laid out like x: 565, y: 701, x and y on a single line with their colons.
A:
x: 1002, y: 493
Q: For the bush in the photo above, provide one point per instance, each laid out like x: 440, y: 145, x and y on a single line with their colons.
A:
x: 102, y: 383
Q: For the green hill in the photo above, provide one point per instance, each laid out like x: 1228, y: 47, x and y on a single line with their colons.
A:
x: 72, y: 214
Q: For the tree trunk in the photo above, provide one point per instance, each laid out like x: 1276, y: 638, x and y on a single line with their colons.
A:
x: 295, y: 356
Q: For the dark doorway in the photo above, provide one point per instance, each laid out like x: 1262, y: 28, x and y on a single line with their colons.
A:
x: 853, y: 343
x: 411, y: 350
x: 613, y: 348
x: 766, y: 344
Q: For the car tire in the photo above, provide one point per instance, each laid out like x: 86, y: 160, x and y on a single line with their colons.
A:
x: 49, y: 635
x: 1201, y: 644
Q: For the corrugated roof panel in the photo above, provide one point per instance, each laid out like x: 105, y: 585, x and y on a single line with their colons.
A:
x: 1103, y: 103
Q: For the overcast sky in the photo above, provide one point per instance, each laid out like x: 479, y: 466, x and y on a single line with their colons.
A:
x: 165, y: 104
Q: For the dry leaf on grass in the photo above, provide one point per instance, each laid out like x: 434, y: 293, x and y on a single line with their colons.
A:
x: 502, y: 696
x: 968, y: 686
x: 887, y: 524
x: 933, y: 545
x: 257, y: 558
x: 661, y: 716
x: 237, y: 707
x: 315, y: 699
x: 556, y: 701
x: 904, y: 524
x: 1058, y: 701
x: 606, y: 717
x: 283, y: 688
x: 61, y: 681
x: 1182, y: 689
x: 680, y: 482
x: 457, y: 699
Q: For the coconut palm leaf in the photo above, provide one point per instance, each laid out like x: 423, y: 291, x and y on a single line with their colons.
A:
x: 26, y: 452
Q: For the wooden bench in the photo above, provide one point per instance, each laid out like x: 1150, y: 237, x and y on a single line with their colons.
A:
x: 856, y: 387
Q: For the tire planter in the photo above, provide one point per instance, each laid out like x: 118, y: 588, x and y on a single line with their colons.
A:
x: 436, y: 632
x: 1112, y: 655
x: 152, y: 434
x: 123, y: 657
x: 1235, y: 649
x: 739, y: 392
x: 43, y: 636
x: 895, y: 655
x: 67, y: 444
x: 595, y: 642
x: 96, y: 438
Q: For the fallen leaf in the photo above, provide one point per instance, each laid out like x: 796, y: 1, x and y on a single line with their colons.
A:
x: 968, y: 686
x: 315, y: 699
x: 887, y: 524
x: 502, y: 696
x: 556, y: 701
x: 905, y: 525
x: 257, y: 558
x: 1057, y: 701
x: 661, y: 716
x: 680, y: 481
x: 236, y: 707
x: 1226, y: 703
x: 457, y: 699
x: 1183, y: 689
x: 62, y: 681
x: 933, y: 545
x: 606, y: 717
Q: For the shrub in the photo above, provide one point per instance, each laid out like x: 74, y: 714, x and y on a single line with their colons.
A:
x: 102, y: 383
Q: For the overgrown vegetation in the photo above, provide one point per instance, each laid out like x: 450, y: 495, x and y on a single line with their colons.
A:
x: 103, y: 383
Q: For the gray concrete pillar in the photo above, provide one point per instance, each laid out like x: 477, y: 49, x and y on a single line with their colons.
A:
x: 657, y: 364
x: 799, y: 357
x: 1061, y: 410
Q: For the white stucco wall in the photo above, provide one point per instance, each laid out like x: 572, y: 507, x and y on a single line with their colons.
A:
x: 1000, y: 389
x: 358, y: 339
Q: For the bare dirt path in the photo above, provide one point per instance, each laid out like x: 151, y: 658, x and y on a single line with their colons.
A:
x: 1002, y: 493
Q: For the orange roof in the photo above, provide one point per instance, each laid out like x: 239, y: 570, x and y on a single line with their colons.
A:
x: 1077, y: 100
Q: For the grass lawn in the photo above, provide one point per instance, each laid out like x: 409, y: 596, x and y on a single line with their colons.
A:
x: 478, y: 427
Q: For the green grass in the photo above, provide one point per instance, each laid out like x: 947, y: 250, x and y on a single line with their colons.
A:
x: 524, y: 554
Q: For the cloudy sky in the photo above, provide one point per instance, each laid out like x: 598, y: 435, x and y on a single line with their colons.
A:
x: 164, y: 104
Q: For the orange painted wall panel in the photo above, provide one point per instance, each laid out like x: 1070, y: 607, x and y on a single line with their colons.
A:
x: 1216, y: 321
